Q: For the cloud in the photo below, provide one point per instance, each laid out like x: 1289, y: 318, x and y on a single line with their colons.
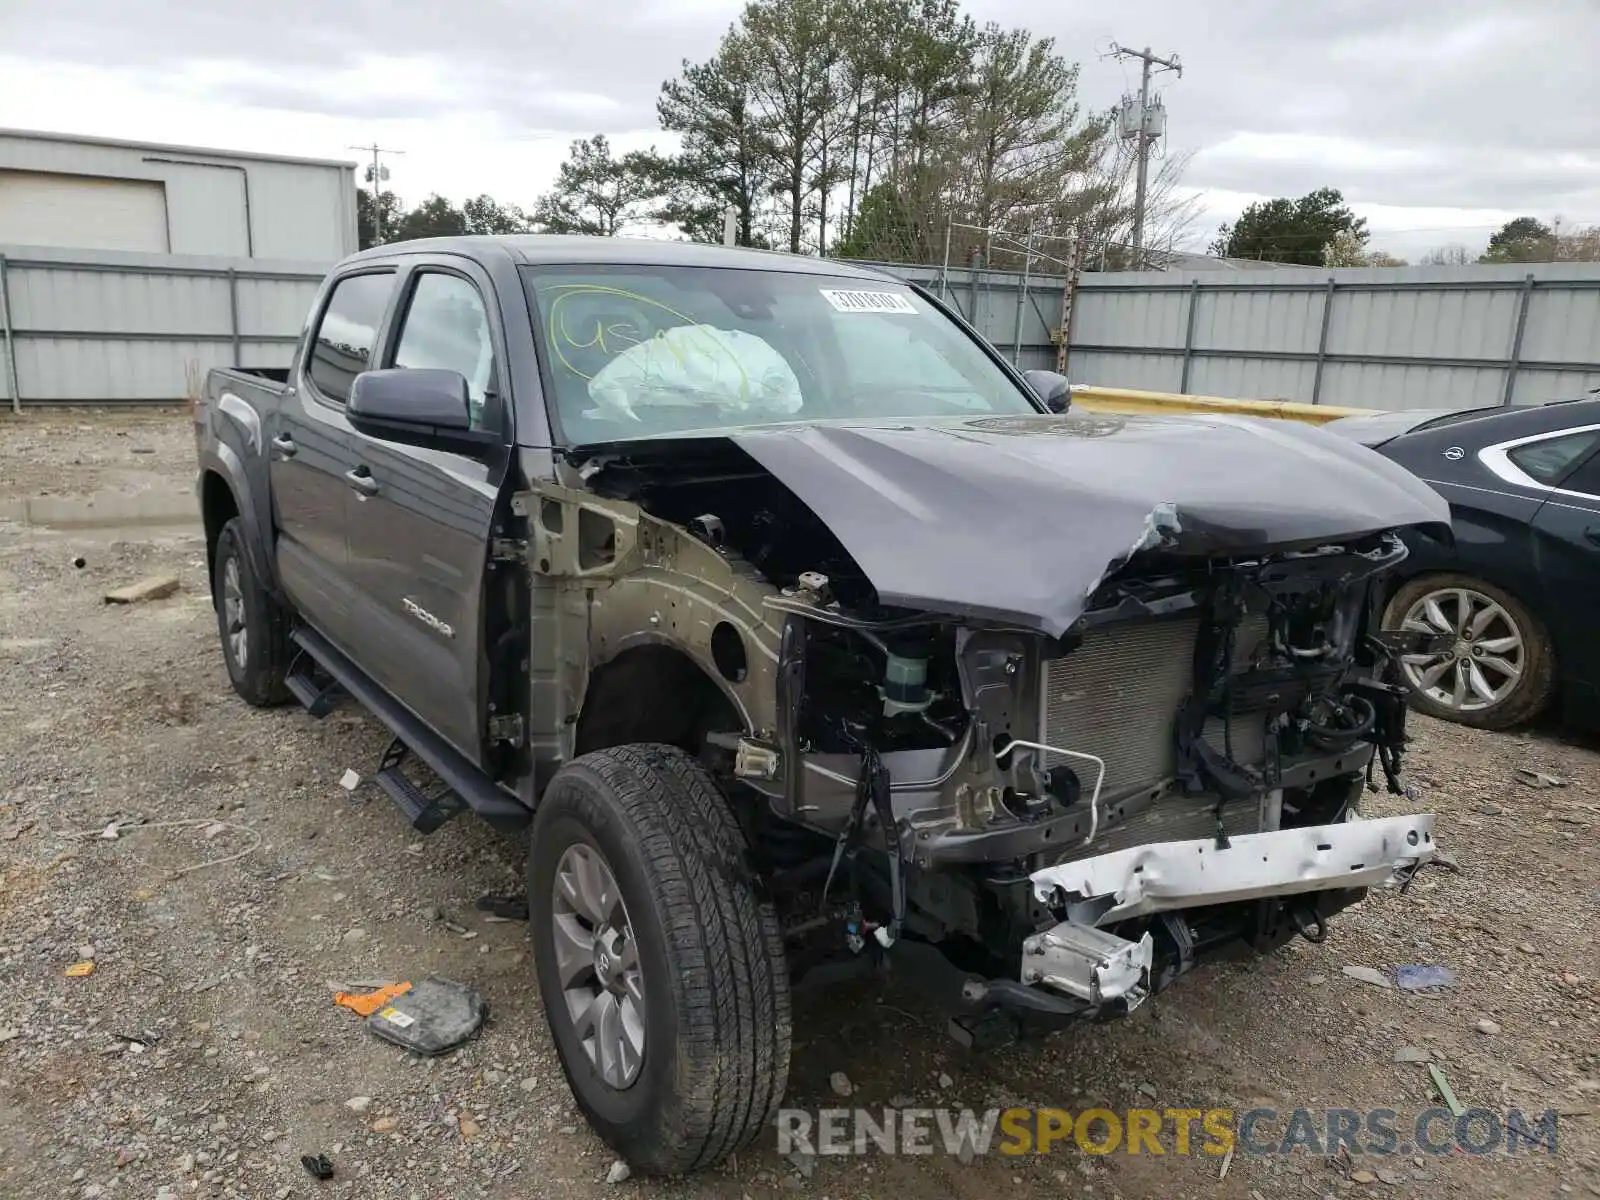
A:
x: 1434, y: 105
x: 1466, y: 107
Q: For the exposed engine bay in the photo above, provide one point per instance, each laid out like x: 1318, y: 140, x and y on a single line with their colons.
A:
x: 936, y: 774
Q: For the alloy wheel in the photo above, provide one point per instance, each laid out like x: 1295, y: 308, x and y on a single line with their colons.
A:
x: 1485, y: 662
x: 597, y: 958
x: 233, y: 614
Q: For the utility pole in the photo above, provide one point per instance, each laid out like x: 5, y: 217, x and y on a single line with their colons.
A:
x: 1068, y: 294
x: 377, y: 174
x: 1150, y: 125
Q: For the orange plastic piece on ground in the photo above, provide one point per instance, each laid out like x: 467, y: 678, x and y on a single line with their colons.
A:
x: 367, y: 1003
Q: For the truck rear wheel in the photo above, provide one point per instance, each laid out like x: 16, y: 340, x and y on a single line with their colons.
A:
x: 252, y: 626
x: 660, y: 964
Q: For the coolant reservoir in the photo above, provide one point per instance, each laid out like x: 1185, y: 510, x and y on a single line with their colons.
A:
x: 905, y: 685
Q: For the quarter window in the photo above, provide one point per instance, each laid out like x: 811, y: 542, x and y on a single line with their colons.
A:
x: 1586, y: 479
x: 447, y: 328
x: 1548, y: 460
x: 347, y: 333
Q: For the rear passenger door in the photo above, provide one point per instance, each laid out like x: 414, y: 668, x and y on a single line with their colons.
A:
x: 419, y: 534
x: 1567, y: 533
x: 310, y: 452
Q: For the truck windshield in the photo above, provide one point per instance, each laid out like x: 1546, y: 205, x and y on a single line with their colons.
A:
x: 635, y: 351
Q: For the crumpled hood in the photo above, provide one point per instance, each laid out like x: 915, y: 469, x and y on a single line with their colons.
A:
x: 1018, y: 519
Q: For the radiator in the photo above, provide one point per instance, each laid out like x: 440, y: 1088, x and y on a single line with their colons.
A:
x: 1118, y: 695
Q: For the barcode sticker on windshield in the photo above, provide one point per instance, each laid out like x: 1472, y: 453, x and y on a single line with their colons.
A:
x: 867, y: 302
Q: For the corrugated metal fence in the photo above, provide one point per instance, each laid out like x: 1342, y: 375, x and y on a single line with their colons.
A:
x: 1394, y: 338
x: 95, y: 326
x: 99, y: 326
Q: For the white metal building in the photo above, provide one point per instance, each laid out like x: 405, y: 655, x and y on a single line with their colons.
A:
x: 70, y: 192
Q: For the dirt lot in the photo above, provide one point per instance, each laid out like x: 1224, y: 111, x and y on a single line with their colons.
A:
x: 203, y: 1055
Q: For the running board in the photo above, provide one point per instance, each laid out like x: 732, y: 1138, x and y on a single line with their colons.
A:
x: 426, y: 813
x: 319, y: 697
x: 473, y: 788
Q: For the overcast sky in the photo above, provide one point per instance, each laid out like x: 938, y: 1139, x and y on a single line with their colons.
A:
x: 1439, y: 119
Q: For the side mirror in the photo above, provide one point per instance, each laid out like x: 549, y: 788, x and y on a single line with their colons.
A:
x: 425, y: 400
x: 1051, y: 388
x: 421, y: 407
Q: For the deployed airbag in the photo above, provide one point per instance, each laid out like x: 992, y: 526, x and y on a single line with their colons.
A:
x: 697, y: 366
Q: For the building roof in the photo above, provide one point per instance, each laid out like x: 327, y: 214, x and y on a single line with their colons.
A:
x: 44, y: 135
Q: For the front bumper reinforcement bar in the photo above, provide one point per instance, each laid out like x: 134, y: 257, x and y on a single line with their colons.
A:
x: 1164, y: 876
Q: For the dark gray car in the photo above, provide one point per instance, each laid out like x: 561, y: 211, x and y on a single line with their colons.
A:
x: 808, y: 639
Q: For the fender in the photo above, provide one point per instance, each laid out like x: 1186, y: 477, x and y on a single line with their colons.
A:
x: 255, y: 511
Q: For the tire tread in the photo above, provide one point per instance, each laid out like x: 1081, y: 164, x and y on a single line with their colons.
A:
x: 733, y: 989
x: 263, y: 683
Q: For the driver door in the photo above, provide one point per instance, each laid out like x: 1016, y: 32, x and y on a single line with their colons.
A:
x: 421, y: 525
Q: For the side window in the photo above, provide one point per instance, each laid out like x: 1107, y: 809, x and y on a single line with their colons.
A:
x: 348, y: 331
x: 447, y: 328
x: 1549, y: 459
x: 1585, y: 479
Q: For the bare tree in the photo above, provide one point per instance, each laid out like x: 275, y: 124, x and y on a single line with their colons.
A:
x: 1107, y: 205
x: 1453, y: 255
x: 791, y: 50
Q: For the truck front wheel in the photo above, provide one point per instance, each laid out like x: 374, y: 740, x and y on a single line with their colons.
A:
x: 660, y: 964
x: 254, y: 631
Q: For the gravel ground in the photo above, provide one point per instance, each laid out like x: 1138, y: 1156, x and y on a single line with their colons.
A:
x: 203, y: 1055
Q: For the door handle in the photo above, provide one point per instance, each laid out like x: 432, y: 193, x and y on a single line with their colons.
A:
x: 1593, y: 534
x: 361, y: 479
x: 284, y: 445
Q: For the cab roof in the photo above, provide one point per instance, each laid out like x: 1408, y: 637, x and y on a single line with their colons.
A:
x: 539, y: 249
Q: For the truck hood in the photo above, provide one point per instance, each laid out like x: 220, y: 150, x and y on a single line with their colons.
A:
x: 1018, y: 519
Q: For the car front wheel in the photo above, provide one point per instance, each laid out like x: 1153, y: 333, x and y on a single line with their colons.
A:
x: 660, y: 962
x: 1499, y: 669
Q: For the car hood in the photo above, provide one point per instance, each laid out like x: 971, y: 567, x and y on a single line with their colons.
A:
x: 1018, y: 519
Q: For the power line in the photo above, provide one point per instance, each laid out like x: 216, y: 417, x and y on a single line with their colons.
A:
x: 376, y: 174
x: 1151, y: 124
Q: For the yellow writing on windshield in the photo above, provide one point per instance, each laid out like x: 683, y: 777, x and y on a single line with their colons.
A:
x: 577, y: 332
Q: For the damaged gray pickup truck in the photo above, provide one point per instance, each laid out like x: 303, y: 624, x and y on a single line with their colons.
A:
x: 807, y: 638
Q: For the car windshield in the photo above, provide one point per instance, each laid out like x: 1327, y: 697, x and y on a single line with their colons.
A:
x: 635, y: 351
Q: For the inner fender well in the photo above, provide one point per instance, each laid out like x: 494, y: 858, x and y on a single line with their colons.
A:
x: 654, y: 691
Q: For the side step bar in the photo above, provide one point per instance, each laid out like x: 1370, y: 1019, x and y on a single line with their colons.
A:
x: 426, y: 813
x: 471, y: 786
x: 319, y: 697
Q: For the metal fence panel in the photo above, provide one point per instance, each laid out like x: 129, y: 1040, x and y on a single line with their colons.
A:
x: 104, y: 326
x: 1539, y: 387
x: 97, y: 326
x: 47, y: 297
x: 1248, y: 378
x: 1364, y: 385
x: 1396, y: 338
x: 1562, y: 324
x: 1372, y: 337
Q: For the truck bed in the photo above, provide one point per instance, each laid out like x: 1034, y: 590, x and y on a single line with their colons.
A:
x: 252, y: 375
